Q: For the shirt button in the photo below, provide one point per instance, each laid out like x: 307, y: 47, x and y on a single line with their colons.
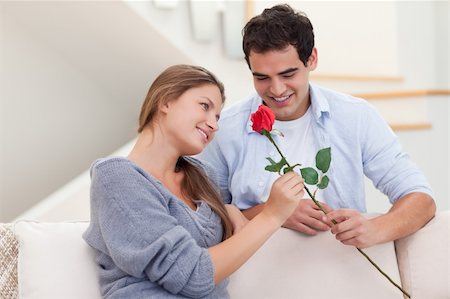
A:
x: 260, y: 184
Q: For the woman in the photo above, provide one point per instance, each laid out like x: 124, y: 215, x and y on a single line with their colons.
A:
x: 158, y: 225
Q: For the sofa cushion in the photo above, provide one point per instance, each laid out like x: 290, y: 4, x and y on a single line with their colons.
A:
x: 8, y: 262
x: 424, y: 259
x: 55, y: 262
x: 293, y: 265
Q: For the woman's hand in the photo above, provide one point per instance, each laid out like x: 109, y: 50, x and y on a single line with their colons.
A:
x: 237, y: 218
x: 230, y: 254
x: 285, y: 196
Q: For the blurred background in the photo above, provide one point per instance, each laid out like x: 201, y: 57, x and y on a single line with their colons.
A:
x: 74, y: 74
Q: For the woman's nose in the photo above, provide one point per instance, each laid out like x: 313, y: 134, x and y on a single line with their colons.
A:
x: 212, y: 123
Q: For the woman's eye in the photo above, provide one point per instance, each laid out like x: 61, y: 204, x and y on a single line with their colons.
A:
x: 205, y: 106
x: 288, y: 75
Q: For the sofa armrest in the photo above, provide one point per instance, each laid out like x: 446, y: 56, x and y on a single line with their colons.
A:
x: 424, y: 259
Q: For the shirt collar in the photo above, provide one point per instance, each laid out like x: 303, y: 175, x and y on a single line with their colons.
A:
x: 319, y: 105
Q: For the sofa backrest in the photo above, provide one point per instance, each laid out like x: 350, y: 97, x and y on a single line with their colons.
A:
x: 294, y: 265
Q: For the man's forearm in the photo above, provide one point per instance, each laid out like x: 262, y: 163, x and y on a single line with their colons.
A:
x: 407, y: 215
x: 253, y: 211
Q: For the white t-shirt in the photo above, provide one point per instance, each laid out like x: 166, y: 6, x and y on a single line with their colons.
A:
x: 297, y: 146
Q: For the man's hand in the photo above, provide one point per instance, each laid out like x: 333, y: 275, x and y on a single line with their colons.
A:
x: 308, y: 218
x: 406, y: 216
x: 238, y: 220
x: 352, y: 228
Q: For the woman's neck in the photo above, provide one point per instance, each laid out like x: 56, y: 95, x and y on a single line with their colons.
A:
x: 154, y: 155
x: 147, y: 153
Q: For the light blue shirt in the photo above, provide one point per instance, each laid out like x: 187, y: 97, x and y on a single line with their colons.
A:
x: 362, y: 144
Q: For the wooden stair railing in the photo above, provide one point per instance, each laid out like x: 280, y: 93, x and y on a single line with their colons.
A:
x: 404, y: 95
x: 355, y: 78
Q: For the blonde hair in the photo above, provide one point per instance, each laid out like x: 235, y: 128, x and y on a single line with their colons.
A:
x: 169, y: 86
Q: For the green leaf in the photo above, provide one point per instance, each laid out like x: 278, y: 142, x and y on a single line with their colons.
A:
x: 275, y: 167
x: 323, y: 182
x: 323, y: 159
x: 272, y: 168
x: 272, y: 162
x: 310, y: 175
x: 288, y: 169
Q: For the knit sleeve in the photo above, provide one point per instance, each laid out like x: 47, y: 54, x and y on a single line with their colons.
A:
x: 142, y: 238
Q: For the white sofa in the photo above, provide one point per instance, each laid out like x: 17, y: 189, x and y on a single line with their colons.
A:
x: 50, y: 260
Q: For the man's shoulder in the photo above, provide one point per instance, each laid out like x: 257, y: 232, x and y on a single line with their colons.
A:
x: 340, y: 103
x: 337, y: 98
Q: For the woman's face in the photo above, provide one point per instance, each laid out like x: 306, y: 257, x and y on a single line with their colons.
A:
x: 191, y: 120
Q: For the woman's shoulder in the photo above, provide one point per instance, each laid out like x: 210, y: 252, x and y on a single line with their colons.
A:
x: 118, y: 177
x: 110, y: 166
x: 118, y: 171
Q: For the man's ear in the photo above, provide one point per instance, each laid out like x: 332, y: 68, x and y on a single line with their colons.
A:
x: 312, y: 60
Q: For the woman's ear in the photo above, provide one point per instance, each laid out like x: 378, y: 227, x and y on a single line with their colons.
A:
x: 164, y: 107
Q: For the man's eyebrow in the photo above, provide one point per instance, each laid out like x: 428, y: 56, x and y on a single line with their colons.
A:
x: 259, y: 74
x: 289, y: 70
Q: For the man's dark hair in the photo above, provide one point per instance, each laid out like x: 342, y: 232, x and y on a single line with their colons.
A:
x: 275, y: 29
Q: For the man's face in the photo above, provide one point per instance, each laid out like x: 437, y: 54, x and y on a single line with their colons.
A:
x: 282, y: 81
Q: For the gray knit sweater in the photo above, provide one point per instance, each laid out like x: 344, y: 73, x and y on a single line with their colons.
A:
x: 148, y: 243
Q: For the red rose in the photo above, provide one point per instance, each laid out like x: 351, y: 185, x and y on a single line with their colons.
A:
x: 262, y: 119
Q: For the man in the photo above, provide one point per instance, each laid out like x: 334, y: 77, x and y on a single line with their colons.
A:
x: 279, y: 50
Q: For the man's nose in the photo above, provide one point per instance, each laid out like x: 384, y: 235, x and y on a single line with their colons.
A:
x: 277, y: 87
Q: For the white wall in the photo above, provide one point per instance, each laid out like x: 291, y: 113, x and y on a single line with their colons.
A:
x: 132, y: 45
x: 50, y: 110
x: 175, y: 25
x: 73, y: 76
x: 442, y: 10
x: 352, y: 38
